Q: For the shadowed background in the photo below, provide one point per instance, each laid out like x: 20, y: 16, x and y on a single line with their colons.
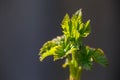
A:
x: 26, y: 24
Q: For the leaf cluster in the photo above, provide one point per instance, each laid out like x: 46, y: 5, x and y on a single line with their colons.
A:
x: 70, y: 45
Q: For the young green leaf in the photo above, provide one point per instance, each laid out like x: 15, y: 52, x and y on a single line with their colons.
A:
x: 86, y: 30
x: 99, y: 57
x: 65, y: 25
x: 85, y: 58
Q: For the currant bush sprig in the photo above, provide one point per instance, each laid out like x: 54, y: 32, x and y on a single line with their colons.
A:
x: 70, y: 46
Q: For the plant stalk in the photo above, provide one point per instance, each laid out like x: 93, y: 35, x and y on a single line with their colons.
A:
x: 75, y: 74
x: 75, y: 69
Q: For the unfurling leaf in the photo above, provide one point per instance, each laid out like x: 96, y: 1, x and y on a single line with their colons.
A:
x: 100, y: 57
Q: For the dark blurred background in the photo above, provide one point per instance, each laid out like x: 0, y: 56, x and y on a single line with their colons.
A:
x: 26, y: 24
